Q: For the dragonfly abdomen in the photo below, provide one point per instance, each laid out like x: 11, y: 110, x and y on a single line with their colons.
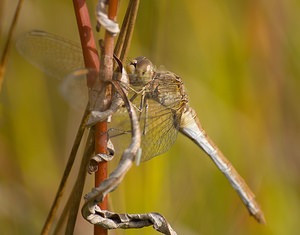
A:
x: 191, y: 127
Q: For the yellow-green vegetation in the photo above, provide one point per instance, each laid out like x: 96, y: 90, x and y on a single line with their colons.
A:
x: 239, y: 61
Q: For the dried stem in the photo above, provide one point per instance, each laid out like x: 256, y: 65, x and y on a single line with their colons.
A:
x: 101, y: 127
x: 66, y: 174
x: 89, y: 49
x: 76, y: 193
x: 124, y: 39
x: 91, y: 60
x: 7, y: 44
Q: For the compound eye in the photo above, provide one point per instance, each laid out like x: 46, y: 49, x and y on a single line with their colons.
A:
x: 131, y: 67
x: 144, y: 65
x: 133, y: 62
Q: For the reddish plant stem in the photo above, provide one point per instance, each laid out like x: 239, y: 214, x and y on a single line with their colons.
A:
x: 101, y: 128
x: 90, y: 53
x: 101, y: 174
x: 91, y: 60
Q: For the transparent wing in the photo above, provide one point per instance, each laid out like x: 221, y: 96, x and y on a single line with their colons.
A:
x: 162, y: 100
x: 54, y: 55
x: 161, y: 130
x: 60, y: 58
x: 74, y: 90
x: 160, y: 116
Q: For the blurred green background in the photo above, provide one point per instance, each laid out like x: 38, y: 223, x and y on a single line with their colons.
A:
x: 239, y: 60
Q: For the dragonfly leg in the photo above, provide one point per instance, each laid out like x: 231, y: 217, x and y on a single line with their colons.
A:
x: 136, y: 92
x: 146, y: 118
x: 120, y: 132
x: 143, y: 108
x: 142, y: 93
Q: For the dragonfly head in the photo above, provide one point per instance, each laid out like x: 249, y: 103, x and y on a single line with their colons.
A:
x: 140, y: 70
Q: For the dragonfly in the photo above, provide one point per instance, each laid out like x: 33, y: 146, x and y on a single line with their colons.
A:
x: 159, y: 98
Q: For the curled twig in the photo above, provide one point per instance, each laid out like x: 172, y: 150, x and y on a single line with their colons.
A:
x: 102, y: 19
x: 110, y: 220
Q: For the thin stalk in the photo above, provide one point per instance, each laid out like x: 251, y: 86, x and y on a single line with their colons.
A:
x: 101, y: 127
x: 7, y: 44
x: 72, y: 205
x: 91, y: 60
x: 124, y: 39
x: 76, y: 194
x: 89, y: 49
x: 62, y: 186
